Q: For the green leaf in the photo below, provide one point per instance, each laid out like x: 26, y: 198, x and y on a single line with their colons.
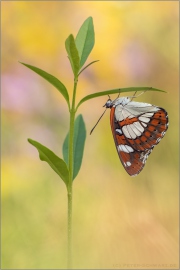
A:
x: 73, y: 54
x: 118, y: 90
x: 79, y: 141
x: 56, y: 163
x: 51, y: 79
x: 85, y: 40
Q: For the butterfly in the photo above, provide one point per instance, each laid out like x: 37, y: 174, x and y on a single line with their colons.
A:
x: 136, y: 127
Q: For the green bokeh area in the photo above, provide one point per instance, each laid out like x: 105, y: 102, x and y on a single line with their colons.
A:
x: 118, y: 221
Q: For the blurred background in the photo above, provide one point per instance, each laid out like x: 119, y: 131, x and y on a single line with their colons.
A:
x: 118, y: 221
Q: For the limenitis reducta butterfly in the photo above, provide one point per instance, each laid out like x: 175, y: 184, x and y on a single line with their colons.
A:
x: 137, y: 127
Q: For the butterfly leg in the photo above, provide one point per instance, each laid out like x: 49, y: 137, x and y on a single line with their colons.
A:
x: 134, y: 96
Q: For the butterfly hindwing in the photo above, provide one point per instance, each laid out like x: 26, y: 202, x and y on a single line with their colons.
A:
x: 137, y: 128
x: 129, y: 157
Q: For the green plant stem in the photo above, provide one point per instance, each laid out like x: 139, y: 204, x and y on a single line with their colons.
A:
x: 69, y: 255
x: 69, y: 188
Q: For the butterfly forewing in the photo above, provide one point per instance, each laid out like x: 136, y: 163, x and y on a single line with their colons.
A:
x: 137, y: 128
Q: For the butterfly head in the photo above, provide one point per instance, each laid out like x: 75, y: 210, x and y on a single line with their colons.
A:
x: 108, y: 104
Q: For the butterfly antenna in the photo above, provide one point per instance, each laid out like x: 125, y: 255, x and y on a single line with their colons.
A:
x: 98, y: 121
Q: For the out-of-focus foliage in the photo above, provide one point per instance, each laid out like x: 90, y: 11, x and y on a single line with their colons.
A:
x: 119, y: 222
